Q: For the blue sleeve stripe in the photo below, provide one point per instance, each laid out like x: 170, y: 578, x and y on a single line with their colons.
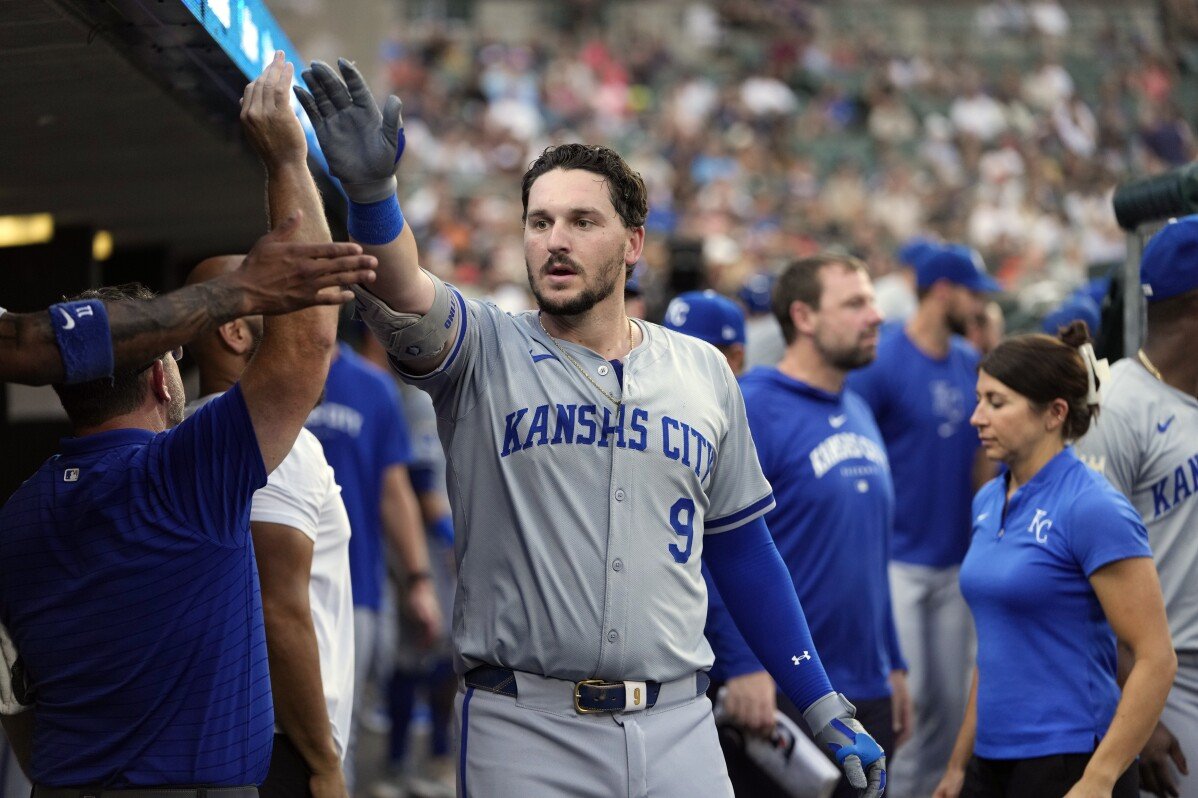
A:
x: 741, y: 517
x: 457, y: 345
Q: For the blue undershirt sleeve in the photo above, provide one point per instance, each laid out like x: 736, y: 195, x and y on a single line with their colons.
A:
x: 760, y: 596
x: 733, y: 657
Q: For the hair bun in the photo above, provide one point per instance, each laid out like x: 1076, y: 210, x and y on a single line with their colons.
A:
x: 1075, y: 334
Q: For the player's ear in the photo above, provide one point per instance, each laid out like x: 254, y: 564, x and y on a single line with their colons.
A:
x: 236, y: 336
x: 158, y: 384
x: 634, y: 245
x: 802, y: 316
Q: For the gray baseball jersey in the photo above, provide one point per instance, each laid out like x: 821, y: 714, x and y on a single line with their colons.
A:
x: 579, y: 523
x: 1145, y: 441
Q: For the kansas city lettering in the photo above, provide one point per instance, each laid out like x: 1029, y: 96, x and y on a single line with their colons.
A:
x: 845, y: 446
x: 590, y: 425
x: 1178, y: 486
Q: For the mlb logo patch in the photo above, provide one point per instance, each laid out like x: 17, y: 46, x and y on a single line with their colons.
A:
x: 70, y: 475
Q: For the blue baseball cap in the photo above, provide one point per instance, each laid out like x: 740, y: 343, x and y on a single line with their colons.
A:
x: 957, y: 264
x: 707, y: 316
x: 1077, y: 306
x: 756, y: 292
x: 916, y: 250
x: 1169, y: 266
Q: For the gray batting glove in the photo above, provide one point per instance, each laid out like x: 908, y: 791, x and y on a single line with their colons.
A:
x: 361, y: 144
x: 859, y: 755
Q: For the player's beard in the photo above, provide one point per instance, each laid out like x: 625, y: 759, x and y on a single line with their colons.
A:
x: 957, y: 323
x: 608, y: 276
x: 849, y: 356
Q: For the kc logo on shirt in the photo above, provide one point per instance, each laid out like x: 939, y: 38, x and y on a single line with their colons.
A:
x: 1040, y: 525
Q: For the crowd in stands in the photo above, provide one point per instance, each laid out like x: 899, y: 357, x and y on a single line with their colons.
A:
x: 763, y: 134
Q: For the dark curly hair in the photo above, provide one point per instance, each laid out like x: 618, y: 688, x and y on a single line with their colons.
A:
x: 625, y: 186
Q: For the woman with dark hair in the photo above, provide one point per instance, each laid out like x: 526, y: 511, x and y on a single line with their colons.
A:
x: 1058, y: 568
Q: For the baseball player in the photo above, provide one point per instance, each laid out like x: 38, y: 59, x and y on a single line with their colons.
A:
x: 593, y: 461
x: 823, y: 454
x: 1146, y: 443
x: 921, y: 391
x: 76, y: 342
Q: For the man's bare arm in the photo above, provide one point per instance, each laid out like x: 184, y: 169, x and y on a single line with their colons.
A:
x: 283, y: 381
x: 403, y: 528
x: 284, y: 557
x: 287, y: 277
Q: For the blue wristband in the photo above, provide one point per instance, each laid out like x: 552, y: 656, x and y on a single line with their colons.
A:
x: 442, y: 529
x: 84, y: 340
x: 376, y: 222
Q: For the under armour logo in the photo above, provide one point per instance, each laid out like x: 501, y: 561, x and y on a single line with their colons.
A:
x: 801, y: 657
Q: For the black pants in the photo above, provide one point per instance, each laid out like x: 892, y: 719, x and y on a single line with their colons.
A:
x: 748, y: 781
x: 1037, y: 777
x: 289, y: 772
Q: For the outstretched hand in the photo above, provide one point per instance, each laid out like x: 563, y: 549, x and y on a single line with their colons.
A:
x: 361, y: 143
x: 268, y: 119
x: 280, y: 276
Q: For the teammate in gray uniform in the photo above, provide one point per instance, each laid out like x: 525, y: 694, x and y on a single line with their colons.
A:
x: 1146, y: 443
x: 592, y: 461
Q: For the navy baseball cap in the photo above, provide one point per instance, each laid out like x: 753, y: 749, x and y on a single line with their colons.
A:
x: 756, y: 292
x: 1076, y: 307
x: 1169, y: 266
x: 957, y: 264
x: 707, y: 316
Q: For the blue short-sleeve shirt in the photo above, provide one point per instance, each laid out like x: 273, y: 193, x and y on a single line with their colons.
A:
x: 1046, y: 654
x: 128, y: 582
x: 922, y: 406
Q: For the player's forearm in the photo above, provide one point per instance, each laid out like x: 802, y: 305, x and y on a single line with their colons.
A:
x: 28, y: 351
x: 300, y: 343
x: 400, y: 282
x: 295, y: 682
x: 402, y: 523
x: 1136, y: 715
x: 963, y: 747
x: 140, y: 331
x: 749, y: 572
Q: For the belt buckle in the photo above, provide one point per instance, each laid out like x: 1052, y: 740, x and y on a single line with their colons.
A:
x: 581, y: 710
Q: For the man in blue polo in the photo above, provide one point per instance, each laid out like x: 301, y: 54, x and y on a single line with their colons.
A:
x: 921, y: 391
x: 127, y: 577
x: 823, y: 455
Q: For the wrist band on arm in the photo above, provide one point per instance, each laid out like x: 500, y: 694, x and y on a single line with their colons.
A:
x: 375, y: 223
x: 84, y: 340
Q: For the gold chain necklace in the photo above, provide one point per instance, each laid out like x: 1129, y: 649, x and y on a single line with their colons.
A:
x: 1153, y: 370
x: 617, y: 402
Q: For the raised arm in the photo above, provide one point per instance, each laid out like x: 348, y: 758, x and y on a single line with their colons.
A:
x: 409, y: 311
x: 283, y: 381
x: 80, y: 341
